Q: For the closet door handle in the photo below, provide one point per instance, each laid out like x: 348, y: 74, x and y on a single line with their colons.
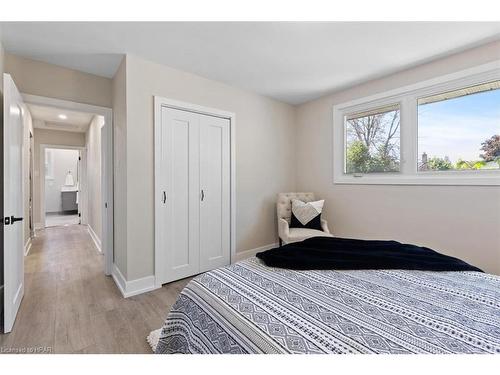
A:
x: 164, y: 197
x: 202, y: 195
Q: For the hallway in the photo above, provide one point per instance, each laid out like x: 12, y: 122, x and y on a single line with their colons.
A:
x: 70, y: 306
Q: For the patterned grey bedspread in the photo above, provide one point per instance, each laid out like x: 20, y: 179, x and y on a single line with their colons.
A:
x: 250, y: 308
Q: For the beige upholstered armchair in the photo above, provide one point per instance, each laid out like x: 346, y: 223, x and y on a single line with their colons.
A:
x: 284, y: 210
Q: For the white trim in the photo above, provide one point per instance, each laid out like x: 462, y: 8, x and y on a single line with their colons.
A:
x: 107, y: 193
x: 31, y: 170
x: 250, y: 253
x: 132, y: 287
x: 95, y: 238
x: 27, y: 247
x: 185, y: 106
x: 66, y: 104
x: 107, y: 189
x: 139, y: 286
x: 158, y: 103
x: 407, y: 96
x: 119, y: 279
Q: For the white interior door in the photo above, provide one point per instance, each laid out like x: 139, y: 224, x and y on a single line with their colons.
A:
x: 177, y: 227
x: 12, y: 202
x: 215, y: 192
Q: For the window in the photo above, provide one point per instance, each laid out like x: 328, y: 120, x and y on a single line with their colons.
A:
x: 372, y: 141
x: 460, y: 130
x: 445, y: 131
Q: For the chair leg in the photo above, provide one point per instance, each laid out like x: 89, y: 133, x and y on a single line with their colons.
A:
x: 281, y: 242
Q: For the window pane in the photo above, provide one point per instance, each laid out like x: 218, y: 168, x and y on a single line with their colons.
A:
x: 372, y: 141
x: 460, y: 130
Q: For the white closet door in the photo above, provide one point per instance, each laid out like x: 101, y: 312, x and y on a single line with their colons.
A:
x: 179, y: 198
x: 214, y: 192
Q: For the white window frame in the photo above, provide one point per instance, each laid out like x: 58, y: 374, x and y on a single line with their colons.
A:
x: 407, y: 97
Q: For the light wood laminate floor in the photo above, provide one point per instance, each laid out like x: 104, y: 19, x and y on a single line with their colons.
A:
x: 70, y: 306
x: 57, y: 220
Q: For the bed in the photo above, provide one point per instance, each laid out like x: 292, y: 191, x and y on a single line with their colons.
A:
x: 249, y: 307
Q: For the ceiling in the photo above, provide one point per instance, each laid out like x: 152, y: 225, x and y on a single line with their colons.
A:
x: 290, y: 61
x: 49, y: 116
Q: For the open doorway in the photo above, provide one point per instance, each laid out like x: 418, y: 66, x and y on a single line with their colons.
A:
x: 36, y: 129
x: 73, y: 171
x: 62, y: 187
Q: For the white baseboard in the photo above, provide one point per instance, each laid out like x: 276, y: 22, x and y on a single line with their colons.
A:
x: 27, y: 247
x: 132, y: 287
x: 96, y: 239
x: 250, y: 253
x: 147, y: 284
x: 119, y: 279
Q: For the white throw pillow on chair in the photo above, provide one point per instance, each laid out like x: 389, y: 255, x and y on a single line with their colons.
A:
x: 308, y: 214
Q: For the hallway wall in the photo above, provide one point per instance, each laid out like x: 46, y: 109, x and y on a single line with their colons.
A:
x: 39, y: 78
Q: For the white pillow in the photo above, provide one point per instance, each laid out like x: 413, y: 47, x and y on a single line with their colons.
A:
x: 305, y: 212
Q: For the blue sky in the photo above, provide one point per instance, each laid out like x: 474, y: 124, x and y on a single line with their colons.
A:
x: 456, y: 127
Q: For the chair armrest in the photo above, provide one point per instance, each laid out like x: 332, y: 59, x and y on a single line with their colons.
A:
x: 283, y: 229
x: 324, y: 226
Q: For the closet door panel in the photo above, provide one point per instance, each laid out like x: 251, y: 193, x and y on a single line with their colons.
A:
x: 180, y: 232
x: 214, y: 192
x: 179, y: 197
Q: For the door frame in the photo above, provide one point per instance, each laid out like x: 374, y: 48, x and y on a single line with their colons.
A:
x: 31, y: 178
x: 160, y: 102
x: 82, y: 182
x: 107, y: 242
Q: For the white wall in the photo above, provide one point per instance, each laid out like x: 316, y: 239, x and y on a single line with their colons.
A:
x: 462, y: 221
x: 64, y: 160
x: 50, y: 137
x: 265, y: 155
x: 93, y: 144
x: 39, y: 78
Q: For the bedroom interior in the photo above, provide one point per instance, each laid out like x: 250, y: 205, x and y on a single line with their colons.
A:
x: 203, y: 188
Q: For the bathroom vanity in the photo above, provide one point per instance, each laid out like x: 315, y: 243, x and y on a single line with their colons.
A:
x: 69, y: 199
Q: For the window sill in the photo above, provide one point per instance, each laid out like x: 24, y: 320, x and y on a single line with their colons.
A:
x: 426, y: 178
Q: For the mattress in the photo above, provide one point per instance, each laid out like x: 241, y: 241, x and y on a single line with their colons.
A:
x: 248, y: 307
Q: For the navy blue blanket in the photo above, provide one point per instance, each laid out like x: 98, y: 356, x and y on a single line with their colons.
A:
x: 331, y: 253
